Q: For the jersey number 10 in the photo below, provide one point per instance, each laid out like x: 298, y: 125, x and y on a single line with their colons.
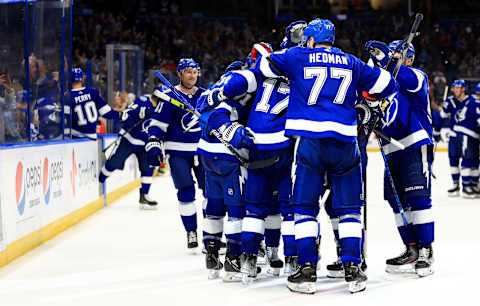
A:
x: 90, y: 112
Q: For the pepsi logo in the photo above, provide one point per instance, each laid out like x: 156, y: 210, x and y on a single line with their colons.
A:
x: 20, y: 189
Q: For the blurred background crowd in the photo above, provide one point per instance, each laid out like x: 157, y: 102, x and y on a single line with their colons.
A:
x: 167, y: 30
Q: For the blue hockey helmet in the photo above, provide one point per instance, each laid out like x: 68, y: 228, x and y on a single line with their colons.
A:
x: 460, y: 83
x: 410, y: 50
x: 477, y: 89
x: 77, y: 75
x: 186, y: 63
x: 236, y: 65
x: 322, y: 30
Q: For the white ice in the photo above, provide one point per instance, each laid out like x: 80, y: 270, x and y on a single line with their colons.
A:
x: 124, y: 256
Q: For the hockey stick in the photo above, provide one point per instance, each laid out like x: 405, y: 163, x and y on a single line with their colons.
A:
x: 189, y: 108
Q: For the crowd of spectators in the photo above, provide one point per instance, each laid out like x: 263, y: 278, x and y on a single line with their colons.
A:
x: 446, y: 49
x: 451, y: 47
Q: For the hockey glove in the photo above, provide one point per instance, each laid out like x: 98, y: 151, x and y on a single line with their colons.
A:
x: 364, y: 113
x: 215, y: 97
x: 378, y: 52
x: 237, y: 135
x: 154, y: 152
x: 293, y: 34
x: 375, y: 103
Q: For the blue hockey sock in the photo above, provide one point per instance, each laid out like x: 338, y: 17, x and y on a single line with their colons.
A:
x: 350, y: 234
x: 188, y: 213
x: 288, y: 236
x: 253, y: 228
x: 272, y: 230
x: 306, y: 233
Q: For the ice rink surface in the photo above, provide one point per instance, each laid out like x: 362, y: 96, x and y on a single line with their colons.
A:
x: 124, y: 256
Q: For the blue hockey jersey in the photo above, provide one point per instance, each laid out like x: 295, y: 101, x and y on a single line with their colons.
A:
x: 467, y: 119
x: 87, y: 105
x: 451, y: 106
x: 323, y: 89
x: 183, y: 132
x: 266, y: 119
x: 140, y: 121
x: 227, y: 111
x: 402, y: 122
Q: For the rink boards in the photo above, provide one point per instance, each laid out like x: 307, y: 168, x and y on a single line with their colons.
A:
x: 46, y: 188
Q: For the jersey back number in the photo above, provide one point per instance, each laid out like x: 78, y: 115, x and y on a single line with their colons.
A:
x: 320, y: 74
x: 86, y: 113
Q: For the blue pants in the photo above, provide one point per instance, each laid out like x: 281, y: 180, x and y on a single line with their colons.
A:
x: 454, y: 155
x: 411, y: 173
x: 117, y: 159
x: 223, y: 189
x: 314, y: 159
x: 181, y: 168
x: 267, y: 195
x: 470, y: 160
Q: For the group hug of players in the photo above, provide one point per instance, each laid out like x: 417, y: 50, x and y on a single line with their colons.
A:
x: 303, y: 113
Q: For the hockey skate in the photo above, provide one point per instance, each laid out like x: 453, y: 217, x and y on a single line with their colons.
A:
x: 274, y: 262
x: 304, y: 279
x: 146, y: 203
x: 192, y: 240
x: 468, y: 193
x: 355, y: 278
x: 249, y: 268
x: 232, y: 268
x: 222, y: 251
x: 423, y: 266
x: 262, y: 254
x: 291, y: 265
x: 454, y: 191
x: 212, y: 261
x: 476, y: 190
x: 335, y: 269
x: 405, y: 263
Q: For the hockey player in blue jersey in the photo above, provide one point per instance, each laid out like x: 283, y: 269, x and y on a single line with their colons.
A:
x: 180, y: 137
x: 87, y: 106
x: 267, y: 190
x: 224, y: 178
x: 451, y: 106
x: 466, y: 127
x: 139, y: 135
x: 323, y: 90
x: 408, y: 120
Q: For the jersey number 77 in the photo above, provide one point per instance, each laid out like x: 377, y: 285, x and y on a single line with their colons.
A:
x: 321, y: 75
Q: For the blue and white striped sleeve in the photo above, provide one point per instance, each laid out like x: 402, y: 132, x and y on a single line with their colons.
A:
x: 376, y: 81
x: 275, y: 65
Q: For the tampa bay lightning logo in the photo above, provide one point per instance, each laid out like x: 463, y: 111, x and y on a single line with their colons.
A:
x: 461, y: 114
x: 146, y: 125
x: 391, y: 111
x: 190, y: 123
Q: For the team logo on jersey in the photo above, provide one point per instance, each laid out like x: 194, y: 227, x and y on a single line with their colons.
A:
x: 190, y: 123
x: 461, y: 114
x: 391, y: 112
